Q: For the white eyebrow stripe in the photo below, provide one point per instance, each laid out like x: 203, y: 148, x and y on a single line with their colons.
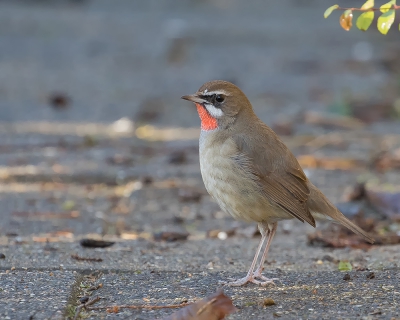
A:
x: 211, y: 93
x: 213, y: 111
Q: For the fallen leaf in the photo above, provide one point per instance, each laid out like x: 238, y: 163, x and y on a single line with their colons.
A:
x: 345, y: 266
x: 214, y: 307
x: 68, y: 205
x: 385, y: 161
x: 370, y: 111
x: 92, y: 243
x: 114, y: 309
x: 384, y: 198
x: 170, y: 236
x: 332, y: 120
x: 385, y: 202
x: 352, y: 193
x: 331, y: 163
x: 120, y: 160
x: 268, y: 302
x: 189, y: 195
x: 46, y: 215
x: 129, y: 235
x: 79, y: 258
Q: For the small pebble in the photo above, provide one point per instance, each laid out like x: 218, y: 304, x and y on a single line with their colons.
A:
x: 2, y: 256
x: 84, y: 299
x: 328, y: 258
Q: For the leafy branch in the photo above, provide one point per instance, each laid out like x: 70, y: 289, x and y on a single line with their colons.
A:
x: 365, y: 19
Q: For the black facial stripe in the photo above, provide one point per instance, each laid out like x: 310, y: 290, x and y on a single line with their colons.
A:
x: 214, y: 99
x: 207, y: 97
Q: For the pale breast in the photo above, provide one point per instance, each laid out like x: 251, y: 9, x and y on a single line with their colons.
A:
x: 234, y: 189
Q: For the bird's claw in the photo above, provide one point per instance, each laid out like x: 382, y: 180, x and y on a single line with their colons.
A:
x: 252, y: 278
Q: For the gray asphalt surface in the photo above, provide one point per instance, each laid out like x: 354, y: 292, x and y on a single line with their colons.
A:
x: 69, y: 173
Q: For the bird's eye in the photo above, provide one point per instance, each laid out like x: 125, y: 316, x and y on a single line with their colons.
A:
x: 219, y: 98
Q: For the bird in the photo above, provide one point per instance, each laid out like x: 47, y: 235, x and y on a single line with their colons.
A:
x: 251, y: 173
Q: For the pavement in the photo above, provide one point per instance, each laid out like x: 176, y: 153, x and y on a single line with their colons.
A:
x: 75, y: 170
x: 45, y: 218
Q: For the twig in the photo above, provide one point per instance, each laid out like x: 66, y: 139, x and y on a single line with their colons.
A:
x: 79, y: 309
x: 93, y: 288
x: 76, y: 257
x: 170, y: 306
x: 393, y: 7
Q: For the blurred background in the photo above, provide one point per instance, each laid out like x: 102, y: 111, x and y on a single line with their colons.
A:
x: 94, y: 136
x: 98, y: 61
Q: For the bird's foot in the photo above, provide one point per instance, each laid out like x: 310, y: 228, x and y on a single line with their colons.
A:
x: 251, y: 278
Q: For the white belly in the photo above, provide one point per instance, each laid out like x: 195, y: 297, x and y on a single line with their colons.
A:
x: 232, y: 187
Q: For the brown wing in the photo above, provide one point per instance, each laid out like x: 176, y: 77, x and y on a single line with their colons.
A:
x: 278, y: 172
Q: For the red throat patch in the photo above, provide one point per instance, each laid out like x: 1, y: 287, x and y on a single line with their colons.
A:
x: 207, y: 121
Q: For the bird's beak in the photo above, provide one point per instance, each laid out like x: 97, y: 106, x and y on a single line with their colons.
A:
x: 193, y: 98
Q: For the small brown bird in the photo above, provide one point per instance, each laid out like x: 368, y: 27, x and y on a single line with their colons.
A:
x: 250, y: 172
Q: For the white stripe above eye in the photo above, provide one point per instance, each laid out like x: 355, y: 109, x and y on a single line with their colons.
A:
x: 211, y: 93
x: 213, y: 111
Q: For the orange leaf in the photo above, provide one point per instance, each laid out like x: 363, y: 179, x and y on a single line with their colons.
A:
x: 346, y: 20
x: 114, y: 309
x: 214, y: 307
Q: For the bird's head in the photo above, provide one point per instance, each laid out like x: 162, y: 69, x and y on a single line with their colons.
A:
x: 219, y: 103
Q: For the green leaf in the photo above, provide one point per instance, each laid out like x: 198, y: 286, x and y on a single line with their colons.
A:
x: 328, y: 11
x: 68, y: 205
x: 368, y: 4
x: 385, y: 7
x: 345, y: 266
x: 365, y: 20
x: 385, y: 21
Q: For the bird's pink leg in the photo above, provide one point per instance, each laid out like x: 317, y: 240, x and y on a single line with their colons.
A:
x: 250, y: 276
x: 257, y: 273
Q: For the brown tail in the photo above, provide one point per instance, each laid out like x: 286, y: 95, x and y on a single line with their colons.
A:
x: 320, y: 204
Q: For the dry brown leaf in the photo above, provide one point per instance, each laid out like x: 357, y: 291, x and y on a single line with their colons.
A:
x: 387, y: 161
x: 214, y: 307
x: 346, y: 20
x: 311, y: 161
x: 170, y: 236
x: 332, y: 121
x: 114, y: 309
x: 336, y: 236
x: 46, y: 215
x: 386, y: 203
